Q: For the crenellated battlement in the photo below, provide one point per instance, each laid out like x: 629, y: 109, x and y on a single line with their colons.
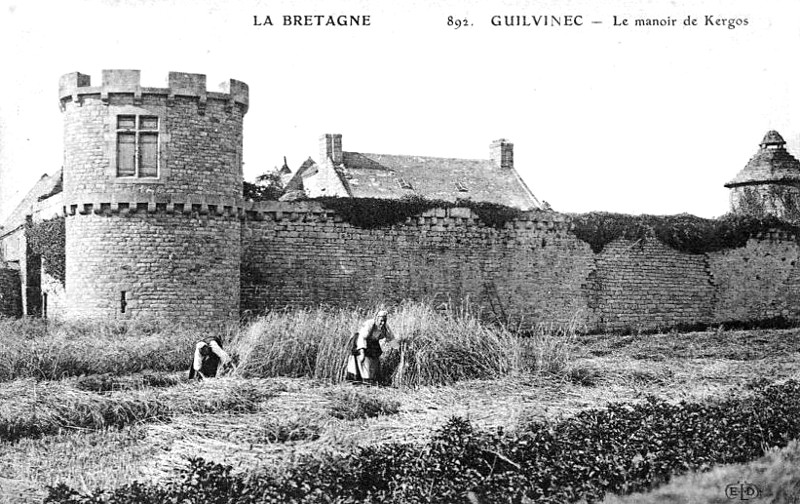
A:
x: 304, y: 211
x: 74, y: 86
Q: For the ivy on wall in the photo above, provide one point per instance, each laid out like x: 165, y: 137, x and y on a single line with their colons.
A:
x: 370, y: 213
x: 492, y: 214
x: 684, y: 232
x: 47, y: 239
x: 764, y: 200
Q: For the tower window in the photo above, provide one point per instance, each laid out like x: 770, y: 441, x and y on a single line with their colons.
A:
x: 137, y: 146
x: 123, y: 301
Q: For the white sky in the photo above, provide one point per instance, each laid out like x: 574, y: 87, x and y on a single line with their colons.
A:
x: 623, y: 119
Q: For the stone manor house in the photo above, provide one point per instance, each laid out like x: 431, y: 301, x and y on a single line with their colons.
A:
x: 155, y: 224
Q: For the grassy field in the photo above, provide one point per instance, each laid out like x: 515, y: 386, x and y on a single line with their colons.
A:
x: 84, y: 407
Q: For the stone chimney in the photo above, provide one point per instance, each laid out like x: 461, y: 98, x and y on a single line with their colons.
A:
x: 501, y: 152
x: 330, y: 146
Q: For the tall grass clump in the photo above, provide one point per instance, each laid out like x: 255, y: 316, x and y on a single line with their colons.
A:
x: 431, y: 346
x: 442, y: 347
x: 36, y: 348
x: 309, y: 342
x: 548, y: 348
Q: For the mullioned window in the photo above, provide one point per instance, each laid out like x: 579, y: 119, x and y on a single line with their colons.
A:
x: 137, y: 146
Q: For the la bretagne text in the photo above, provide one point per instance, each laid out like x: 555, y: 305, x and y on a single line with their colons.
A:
x: 313, y: 20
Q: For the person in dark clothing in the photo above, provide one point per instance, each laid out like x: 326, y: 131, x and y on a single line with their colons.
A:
x: 208, y: 357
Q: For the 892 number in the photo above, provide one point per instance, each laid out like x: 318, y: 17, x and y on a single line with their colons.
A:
x: 457, y: 23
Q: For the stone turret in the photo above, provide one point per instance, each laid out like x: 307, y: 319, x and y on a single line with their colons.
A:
x: 152, y: 195
x: 770, y: 182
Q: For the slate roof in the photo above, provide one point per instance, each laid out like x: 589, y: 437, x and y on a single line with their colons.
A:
x: 295, y: 183
x: 771, y: 164
x: 45, y: 187
x: 449, y: 179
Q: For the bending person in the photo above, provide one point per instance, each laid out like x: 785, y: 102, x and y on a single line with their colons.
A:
x: 364, y: 363
x: 208, y: 356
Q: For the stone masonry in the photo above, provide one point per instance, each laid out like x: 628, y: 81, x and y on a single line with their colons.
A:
x: 300, y: 254
x: 165, y: 242
x: 533, y: 271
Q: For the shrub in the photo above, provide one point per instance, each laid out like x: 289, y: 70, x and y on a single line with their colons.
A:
x: 267, y: 187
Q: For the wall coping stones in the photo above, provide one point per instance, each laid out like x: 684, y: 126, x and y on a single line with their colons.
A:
x: 295, y: 211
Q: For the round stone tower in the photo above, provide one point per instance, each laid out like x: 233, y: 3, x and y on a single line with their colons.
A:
x: 770, y: 182
x: 152, y: 197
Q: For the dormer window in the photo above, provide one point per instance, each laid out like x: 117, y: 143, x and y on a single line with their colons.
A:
x: 137, y: 146
x: 404, y: 184
x: 461, y: 187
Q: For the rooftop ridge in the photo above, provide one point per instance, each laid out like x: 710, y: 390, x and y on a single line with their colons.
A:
x: 417, y: 156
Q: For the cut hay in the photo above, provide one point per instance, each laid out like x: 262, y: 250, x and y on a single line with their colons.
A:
x: 30, y: 409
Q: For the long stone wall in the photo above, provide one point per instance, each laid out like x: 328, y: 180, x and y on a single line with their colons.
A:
x: 533, y: 271
x: 187, y: 265
x: 302, y: 255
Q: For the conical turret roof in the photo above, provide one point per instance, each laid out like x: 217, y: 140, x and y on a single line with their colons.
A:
x: 772, y: 163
